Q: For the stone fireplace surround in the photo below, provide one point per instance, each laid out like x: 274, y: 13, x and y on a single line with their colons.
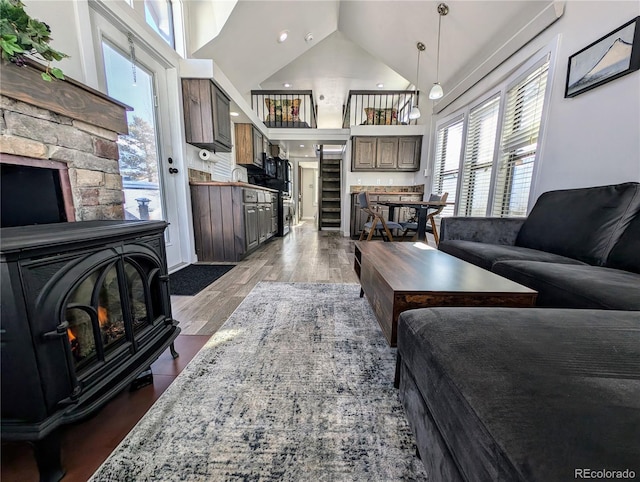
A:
x: 67, y: 126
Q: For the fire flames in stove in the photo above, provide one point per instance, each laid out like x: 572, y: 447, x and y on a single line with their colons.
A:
x: 75, y: 345
x: 83, y: 344
x: 111, y: 330
x: 96, y: 312
x: 102, y: 315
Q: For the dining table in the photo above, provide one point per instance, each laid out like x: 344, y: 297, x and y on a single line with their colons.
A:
x: 422, y: 210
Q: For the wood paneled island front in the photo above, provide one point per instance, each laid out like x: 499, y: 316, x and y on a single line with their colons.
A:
x: 231, y: 219
x: 397, y: 277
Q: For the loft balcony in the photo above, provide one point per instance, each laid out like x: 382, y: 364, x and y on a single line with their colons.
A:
x: 375, y: 107
x: 285, y: 108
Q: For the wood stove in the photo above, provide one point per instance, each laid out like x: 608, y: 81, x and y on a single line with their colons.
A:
x: 85, y: 309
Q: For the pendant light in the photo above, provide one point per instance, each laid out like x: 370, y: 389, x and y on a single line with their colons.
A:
x: 436, y: 91
x: 414, y: 113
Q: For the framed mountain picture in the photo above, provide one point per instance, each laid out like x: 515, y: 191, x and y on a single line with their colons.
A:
x: 612, y: 56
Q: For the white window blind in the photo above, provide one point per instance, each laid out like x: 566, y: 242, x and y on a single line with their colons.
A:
x: 519, y: 140
x: 447, y: 161
x: 222, y: 166
x: 478, y: 158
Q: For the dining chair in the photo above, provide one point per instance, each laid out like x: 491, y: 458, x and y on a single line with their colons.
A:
x: 375, y: 220
x: 412, y: 225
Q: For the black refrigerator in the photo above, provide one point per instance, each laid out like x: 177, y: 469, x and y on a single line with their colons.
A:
x: 282, y: 183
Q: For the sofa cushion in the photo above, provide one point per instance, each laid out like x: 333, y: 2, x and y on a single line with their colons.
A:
x: 381, y: 116
x: 528, y: 394
x: 626, y: 253
x: 583, y: 224
x: 575, y: 286
x: 485, y: 255
x: 282, y: 110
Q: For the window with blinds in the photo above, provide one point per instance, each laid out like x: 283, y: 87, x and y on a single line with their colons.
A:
x: 447, y: 162
x: 485, y: 156
x: 523, y: 114
x: 479, y: 153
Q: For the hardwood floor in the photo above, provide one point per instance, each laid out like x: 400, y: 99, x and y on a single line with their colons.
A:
x: 305, y: 255
x: 87, y: 444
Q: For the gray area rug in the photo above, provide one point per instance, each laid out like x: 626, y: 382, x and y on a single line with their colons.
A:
x: 297, y: 385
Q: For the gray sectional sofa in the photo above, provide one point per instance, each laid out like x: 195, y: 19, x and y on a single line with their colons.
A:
x: 539, y: 394
x: 579, y: 248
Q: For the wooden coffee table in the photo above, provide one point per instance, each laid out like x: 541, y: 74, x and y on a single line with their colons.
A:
x: 402, y: 276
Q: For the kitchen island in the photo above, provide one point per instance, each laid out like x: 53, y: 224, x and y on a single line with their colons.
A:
x: 232, y: 219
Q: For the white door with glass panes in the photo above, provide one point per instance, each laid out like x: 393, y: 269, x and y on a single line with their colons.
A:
x: 149, y: 174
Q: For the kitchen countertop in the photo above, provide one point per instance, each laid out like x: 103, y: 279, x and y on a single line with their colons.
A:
x: 231, y: 183
x: 388, y: 192
x: 414, y: 189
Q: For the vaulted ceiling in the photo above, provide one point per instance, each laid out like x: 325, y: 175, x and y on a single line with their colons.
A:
x: 357, y: 44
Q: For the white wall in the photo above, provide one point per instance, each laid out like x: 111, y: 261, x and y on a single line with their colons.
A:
x: 204, y: 20
x: 591, y: 139
x: 594, y: 138
x: 63, y: 18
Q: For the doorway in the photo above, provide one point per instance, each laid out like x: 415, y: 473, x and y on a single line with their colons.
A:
x: 308, y: 192
x: 134, y: 76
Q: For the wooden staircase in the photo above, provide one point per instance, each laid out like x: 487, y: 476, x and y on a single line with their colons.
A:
x: 330, y: 193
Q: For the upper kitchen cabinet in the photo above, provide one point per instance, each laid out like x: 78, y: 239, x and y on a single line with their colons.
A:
x: 250, y: 146
x: 386, y: 153
x: 409, y: 148
x: 206, y: 115
x: 364, y: 153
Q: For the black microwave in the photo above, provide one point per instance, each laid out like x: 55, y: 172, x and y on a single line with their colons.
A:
x: 270, y: 166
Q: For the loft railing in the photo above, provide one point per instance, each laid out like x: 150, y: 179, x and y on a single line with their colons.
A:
x: 375, y: 107
x: 285, y: 108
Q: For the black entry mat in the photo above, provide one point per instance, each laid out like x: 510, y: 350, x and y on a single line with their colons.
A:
x: 195, y: 277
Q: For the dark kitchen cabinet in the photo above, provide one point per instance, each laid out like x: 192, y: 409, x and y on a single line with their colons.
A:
x: 364, y: 153
x: 221, y: 116
x: 265, y: 226
x: 265, y: 216
x: 251, y: 221
x: 231, y: 219
x: 386, y: 153
x: 207, y: 121
x: 409, y: 148
x: 258, y: 147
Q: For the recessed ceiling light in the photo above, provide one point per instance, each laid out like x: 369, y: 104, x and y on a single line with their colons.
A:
x: 380, y: 85
x: 301, y: 145
x: 287, y: 85
x: 233, y: 114
x: 306, y: 155
x: 282, y: 36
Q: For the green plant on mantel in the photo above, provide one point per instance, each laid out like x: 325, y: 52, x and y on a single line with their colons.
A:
x: 22, y: 36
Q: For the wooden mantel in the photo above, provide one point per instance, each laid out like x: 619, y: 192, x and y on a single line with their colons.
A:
x: 67, y: 97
